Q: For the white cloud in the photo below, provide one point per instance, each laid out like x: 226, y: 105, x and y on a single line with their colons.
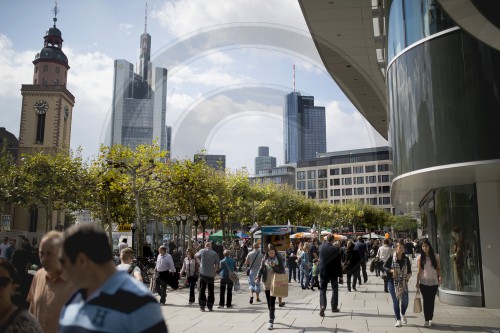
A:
x: 126, y: 28
x: 211, y: 77
x: 185, y: 16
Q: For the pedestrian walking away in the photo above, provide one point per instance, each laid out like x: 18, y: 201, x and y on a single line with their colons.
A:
x: 107, y: 300
x: 428, y: 279
x: 127, y: 264
x: 226, y: 284
x: 272, y: 263
x: 330, y: 270
x: 244, y: 253
x: 398, y: 268
x: 352, y: 263
x: 383, y: 253
x: 209, y: 264
x: 254, y: 260
x: 291, y: 262
x: 360, y: 246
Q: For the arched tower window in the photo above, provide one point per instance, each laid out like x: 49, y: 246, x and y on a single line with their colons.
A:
x: 45, y: 68
x: 40, y: 128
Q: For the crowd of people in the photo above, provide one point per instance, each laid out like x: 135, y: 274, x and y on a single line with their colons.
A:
x: 79, y: 280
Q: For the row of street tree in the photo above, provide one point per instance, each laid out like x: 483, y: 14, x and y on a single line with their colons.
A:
x: 126, y: 186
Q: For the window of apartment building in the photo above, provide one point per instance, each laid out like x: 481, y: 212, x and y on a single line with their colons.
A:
x: 362, y: 200
x: 358, y: 169
x: 372, y: 201
x: 311, y: 174
x: 371, y: 179
x: 359, y: 180
x: 301, y: 185
x: 384, y: 201
x: 383, y: 167
x: 322, y: 183
x: 301, y: 175
x: 370, y: 168
x: 384, y: 189
x: 335, y: 182
x: 347, y: 181
x: 336, y: 193
x: 334, y: 172
x: 311, y: 184
x: 359, y: 191
x: 383, y: 178
x: 371, y: 190
x: 311, y: 194
x: 323, y: 194
x: 336, y: 202
x: 348, y: 191
x: 322, y: 173
x: 346, y: 171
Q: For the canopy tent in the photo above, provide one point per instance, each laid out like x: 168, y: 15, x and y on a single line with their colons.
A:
x: 240, y: 234
x: 217, y: 236
x: 200, y: 235
x: 337, y: 237
x: 257, y: 234
x: 373, y: 235
x: 302, y: 235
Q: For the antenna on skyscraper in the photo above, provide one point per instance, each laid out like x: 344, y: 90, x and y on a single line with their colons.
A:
x: 146, y: 18
x: 293, y: 77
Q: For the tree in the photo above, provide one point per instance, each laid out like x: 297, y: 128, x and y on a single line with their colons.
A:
x: 7, y: 166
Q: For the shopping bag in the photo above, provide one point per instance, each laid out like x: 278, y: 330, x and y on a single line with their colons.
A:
x: 417, y: 303
x: 279, y: 285
x: 236, y: 285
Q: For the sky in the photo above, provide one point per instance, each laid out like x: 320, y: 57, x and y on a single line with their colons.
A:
x: 229, y: 66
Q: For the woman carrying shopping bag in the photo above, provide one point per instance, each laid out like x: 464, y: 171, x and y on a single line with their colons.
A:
x: 272, y: 263
x: 428, y: 279
x: 398, y: 268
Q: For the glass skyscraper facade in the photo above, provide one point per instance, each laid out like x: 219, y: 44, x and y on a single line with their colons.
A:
x: 264, y: 161
x: 304, y: 128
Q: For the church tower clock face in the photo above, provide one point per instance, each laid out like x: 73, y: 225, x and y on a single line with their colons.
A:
x: 41, y: 107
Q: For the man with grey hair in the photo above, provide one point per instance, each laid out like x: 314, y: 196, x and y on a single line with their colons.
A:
x: 165, y: 268
x: 50, y: 288
x: 208, y: 268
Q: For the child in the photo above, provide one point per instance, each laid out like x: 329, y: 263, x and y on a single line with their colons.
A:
x: 315, y: 282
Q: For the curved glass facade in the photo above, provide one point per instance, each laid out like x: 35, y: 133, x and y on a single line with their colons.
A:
x: 411, y: 21
x: 444, y: 103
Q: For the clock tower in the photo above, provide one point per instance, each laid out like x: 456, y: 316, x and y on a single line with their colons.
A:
x: 47, y: 105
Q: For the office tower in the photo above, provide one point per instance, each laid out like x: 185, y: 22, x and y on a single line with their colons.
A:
x: 139, y: 100
x: 304, y: 128
x: 217, y: 162
x: 264, y: 161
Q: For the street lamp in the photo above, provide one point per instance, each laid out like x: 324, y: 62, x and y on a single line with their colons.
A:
x: 203, y: 219
x: 183, y: 218
x: 133, y: 227
x: 196, y: 222
x: 177, y: 224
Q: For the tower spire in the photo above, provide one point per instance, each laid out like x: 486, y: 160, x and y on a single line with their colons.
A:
x: 146, y: 18
x: 293, y: 77
x: 55, y: 11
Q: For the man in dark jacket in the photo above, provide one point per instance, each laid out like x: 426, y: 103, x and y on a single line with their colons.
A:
x: 330, y: 270
x: 360, y: 246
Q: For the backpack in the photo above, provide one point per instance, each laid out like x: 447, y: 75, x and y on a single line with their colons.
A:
x: 130, y: 270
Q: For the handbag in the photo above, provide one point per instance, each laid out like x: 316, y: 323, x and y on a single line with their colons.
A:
x: 279, y: 285
x: 232, y: 275
x: 236, y: 285
x: 417, y: 303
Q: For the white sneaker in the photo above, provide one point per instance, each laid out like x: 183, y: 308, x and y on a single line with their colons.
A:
x: 426, y: 324
x: 404, y: 319
x: 270, y: 326
x: 431, y: 323
x: 398, y: 323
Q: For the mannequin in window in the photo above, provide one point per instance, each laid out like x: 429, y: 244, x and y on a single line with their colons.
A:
x: 457, y: 257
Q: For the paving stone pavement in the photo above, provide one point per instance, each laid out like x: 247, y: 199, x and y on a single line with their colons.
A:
x: 369, y: 309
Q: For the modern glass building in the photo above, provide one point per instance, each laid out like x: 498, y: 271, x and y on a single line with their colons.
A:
x: 139, y: 101
x: 304, y: 128
x: 426, y: 75
x: 264, y: 161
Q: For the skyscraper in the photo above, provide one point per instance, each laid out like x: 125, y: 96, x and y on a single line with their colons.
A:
x: 264, y: 161
x: 304, y: 128
x: 139, y: 100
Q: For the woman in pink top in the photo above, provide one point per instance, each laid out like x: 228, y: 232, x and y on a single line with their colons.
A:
x: 428, y: 279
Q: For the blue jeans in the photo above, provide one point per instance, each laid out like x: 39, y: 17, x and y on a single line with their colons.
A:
x: 398, y: 311
x: 304, y: 277
x: 252, y: 286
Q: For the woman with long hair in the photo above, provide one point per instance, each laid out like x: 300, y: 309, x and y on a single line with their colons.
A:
x: 398, y: 268
x: 12, y: 317
x: 191, y: 266
x: 353, y: 261
x: 272, y: 263
x: 428, y: 279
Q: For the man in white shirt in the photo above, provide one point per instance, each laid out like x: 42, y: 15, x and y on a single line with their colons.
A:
x: 166, y: 268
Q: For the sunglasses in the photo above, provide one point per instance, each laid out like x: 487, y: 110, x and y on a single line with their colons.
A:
x: 4, y: 281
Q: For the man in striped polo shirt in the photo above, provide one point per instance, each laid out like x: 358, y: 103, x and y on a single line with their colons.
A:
x: 107, y: 300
